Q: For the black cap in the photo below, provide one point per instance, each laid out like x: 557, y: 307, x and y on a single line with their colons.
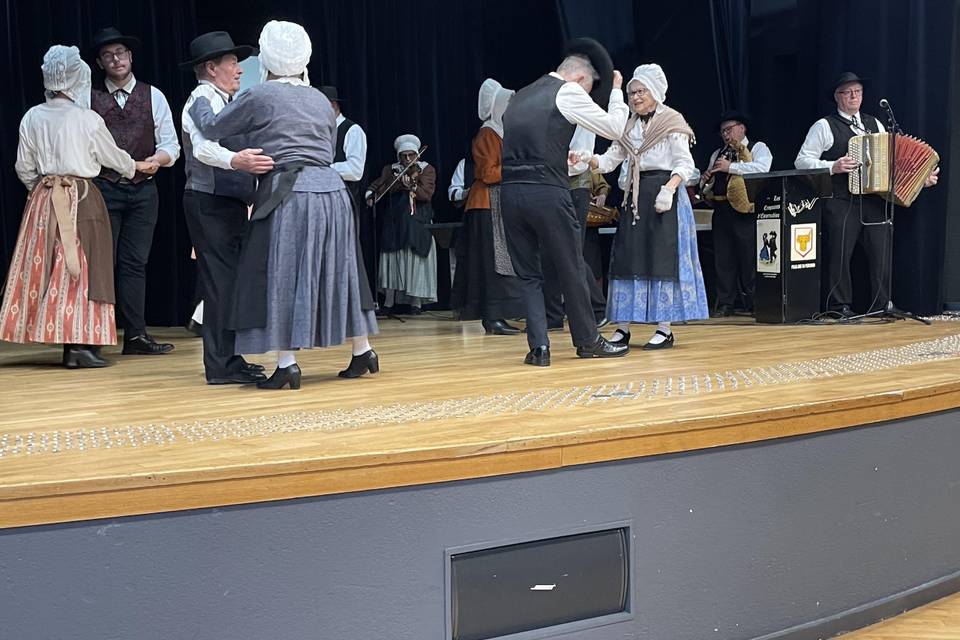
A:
x: 602, y: 63
x: 110, y: 35
x: 331, y: 92
x: 214, y: 44
x: 734, y: 114
x: 845, y: 78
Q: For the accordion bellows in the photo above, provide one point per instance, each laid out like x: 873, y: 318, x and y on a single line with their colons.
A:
x: 914, y: 162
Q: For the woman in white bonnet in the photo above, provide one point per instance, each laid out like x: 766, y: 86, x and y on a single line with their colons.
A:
x: 60, y: 284
x: 479, y: 291
x: 298, y: 279
x: 655, y: 274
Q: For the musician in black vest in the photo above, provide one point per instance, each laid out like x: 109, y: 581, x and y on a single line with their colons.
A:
x: 350, y: 157
x: 220, y: 184
x: 538, y: 213
x: 734, y: 232
x: 139, y: 119
x: 826, y: 146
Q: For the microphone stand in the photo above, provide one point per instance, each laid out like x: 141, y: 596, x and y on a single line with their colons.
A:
x: 890, y: 310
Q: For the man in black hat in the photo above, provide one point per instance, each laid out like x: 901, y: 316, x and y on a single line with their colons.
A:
x: 220, y: 185
x: 138, y: 116
x: 538, y: 213
x: 844, y: 215
x: 350, y: 157
x: 734, y: 232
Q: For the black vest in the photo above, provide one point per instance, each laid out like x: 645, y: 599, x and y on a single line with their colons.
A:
x: 840, y: 128
x: 340, y: 155
x: 536, y: 136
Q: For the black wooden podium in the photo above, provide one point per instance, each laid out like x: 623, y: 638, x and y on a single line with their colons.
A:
x: 788, y: 246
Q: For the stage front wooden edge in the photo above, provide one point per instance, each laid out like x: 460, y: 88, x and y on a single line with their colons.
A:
x: 214, y: 486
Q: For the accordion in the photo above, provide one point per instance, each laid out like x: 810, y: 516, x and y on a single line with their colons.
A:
x: 914, y: 162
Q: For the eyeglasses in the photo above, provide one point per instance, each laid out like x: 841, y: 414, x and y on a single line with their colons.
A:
x: 727, y: 130
x: 850, y: 93
x: 123, y: 54
x: 638, y: 93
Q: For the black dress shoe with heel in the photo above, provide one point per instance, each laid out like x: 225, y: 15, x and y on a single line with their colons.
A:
x: 603, y: 348
x: 282, y: 377
x: 499, y: 328
x: 361, y: 364
x: 667, y: 342
x: 79, y: 356
x: 539, y: 357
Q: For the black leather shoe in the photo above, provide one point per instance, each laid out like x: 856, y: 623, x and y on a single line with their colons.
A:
x: 282, y: 377
x: 359, y: 365
x: 620, y: 336
x: 603, y: 348
x: 723, y: 311
x: 250, y: 367
x: 666, y: 344
x: 78, y: 356
x: 499, y: 328
x: 194, y: 327
x: 539, y: 357
x: 238, y: 377
x: 144, y: 345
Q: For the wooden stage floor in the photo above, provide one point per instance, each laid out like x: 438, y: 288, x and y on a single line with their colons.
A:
x: 147, y: 435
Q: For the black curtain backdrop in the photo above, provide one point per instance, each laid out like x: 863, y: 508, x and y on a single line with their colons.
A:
x: 416, y: 67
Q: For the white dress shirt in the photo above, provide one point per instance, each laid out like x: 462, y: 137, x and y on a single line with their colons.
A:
x: 208, y: 152
x: 60, y: 138
x: 582, y: 141
x: 457, y: 191
x: 164, y: 133
x: 761, y: 163
x: 670, y: 154
x: 820, y: 138
x: 578, y: 108
x: 355, y: 149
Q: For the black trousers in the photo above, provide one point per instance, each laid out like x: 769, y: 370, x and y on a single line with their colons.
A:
x: 842, y: 230
x: 133, y: 212
x: 216, y: 225
x: 540, y: 221
x: 735, y: 254
x: 552, y: 294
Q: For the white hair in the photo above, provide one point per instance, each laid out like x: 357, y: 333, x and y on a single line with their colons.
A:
x: 578, y: 64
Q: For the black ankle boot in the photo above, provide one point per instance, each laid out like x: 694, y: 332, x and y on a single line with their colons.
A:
x: 79, y: 356
x: 359, y: 365
x: 282, y: 377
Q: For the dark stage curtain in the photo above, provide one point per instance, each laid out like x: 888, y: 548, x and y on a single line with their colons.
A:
x: 402, y: 68
x: 730, y: 20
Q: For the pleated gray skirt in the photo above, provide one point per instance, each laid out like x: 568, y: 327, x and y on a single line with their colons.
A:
x: 313, y: 290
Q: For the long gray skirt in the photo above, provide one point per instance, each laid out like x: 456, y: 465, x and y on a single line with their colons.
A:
x: 313, y: 290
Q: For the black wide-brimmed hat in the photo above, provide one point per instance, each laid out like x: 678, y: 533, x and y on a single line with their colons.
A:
x: 600, y: 59
x: 845, y: 78
x: 110, y: 35
x: 736, y: 115
x: 331, y: 92
x: 210, y: 46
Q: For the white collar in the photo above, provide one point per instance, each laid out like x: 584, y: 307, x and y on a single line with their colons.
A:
x: 557, y: 75
x: 220, y: 92
x: 340, y: 119
x: 128, y: 88
x: 855, y: 117
x: 294, y: 80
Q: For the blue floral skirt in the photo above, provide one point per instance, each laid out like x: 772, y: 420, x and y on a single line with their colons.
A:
x: 650, y: 301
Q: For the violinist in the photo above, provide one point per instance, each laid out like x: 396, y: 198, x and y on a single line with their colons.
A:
x: 407, y: 274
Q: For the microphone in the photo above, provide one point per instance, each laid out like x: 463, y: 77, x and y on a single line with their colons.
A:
x: 884, y: 103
